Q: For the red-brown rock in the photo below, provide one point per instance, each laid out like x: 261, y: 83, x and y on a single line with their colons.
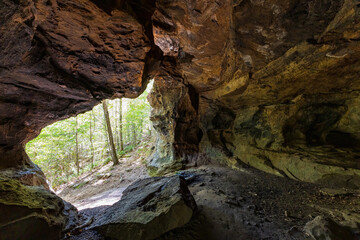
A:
x: 60, y: 58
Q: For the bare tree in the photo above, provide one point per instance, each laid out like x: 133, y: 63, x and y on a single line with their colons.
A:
x: 109, y: 133
x: 134, y: 134
x: 121, y: 141
x: 77, y: 163
x: 92, y: 129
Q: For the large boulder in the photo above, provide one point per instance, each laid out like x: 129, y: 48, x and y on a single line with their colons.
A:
x: 30, y: 212
x: 148, y: 208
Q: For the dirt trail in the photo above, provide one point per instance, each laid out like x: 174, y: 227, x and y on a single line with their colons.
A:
x: 104, y: 185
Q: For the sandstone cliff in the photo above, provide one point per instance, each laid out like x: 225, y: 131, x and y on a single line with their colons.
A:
x: 274, y: 84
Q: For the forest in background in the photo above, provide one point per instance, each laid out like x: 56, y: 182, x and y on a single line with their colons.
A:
x: 68, y: 148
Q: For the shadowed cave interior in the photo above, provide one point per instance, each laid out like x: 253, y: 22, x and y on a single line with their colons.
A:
x: 254, y: 106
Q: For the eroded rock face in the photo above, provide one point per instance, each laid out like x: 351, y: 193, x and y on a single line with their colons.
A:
x: 60, y: 58
x: 175, y: 118
x: 147, y: 209
x: 274, y: 84
x: 277, y: 82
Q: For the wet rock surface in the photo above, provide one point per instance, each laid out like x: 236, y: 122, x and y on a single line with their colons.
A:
x: 148, y: 208
x: 30, y: 175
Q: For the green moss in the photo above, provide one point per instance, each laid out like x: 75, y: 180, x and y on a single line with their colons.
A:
x: 153, y: 172
x: 14, y: 193
x: 29, y: 212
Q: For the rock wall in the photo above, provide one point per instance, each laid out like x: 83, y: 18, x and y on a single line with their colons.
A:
x: 274, y: 84
x: 296, y: 114
x: 175, y: 119
x: 277, y: 83
x: 60, y: 58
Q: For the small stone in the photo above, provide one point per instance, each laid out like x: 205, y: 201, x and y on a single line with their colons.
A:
x: 322, y: 228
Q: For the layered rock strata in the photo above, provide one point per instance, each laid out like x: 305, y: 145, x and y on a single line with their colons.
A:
x: 274, y: 84
x: 58, y: 59
x: 277, y: 83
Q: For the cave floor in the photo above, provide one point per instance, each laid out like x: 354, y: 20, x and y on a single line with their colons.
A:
x: 250, y: 204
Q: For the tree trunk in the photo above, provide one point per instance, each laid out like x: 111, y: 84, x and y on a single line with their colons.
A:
x: 128, y: 134
x: 141, y: 130
x: 77, y: 148
x: 91, y: 139
x: 134, y: 134
x: 116, y: 127
x: 109, y: 133
x: 121, y: 127
x: 68, y: 163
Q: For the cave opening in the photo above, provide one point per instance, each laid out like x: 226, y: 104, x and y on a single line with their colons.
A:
x: 89, y: 159
x: 255, y: 109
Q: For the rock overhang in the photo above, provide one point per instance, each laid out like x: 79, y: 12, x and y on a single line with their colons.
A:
x: 252, y: 66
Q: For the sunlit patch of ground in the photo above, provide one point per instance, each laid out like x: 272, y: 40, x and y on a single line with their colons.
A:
x: 104, y: 185
x: 107, y: 198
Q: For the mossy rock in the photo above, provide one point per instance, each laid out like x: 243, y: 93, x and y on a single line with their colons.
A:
x: 29, y: 212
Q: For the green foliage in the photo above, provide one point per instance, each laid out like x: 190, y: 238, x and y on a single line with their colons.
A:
x: 80, y: 185
x: 54, y: 150
x: 107, y: 160
x: 129, y: 148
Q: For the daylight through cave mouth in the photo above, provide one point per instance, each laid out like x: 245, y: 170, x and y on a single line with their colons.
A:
x: 242, y: 90
x: 106, y: 145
